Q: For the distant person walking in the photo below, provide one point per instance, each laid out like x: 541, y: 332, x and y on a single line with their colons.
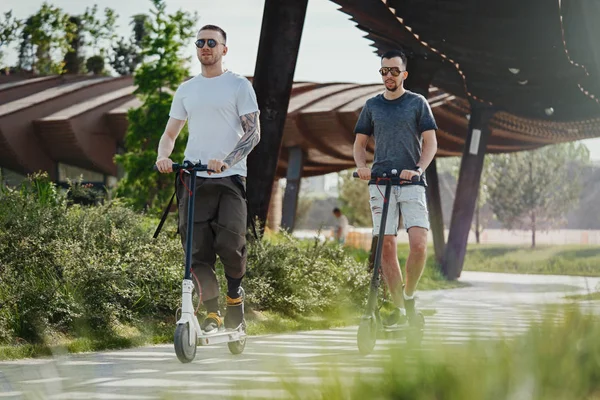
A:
x: 341, y: 226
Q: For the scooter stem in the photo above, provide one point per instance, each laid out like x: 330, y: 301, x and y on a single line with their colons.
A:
x: 190, y: 227
x: 375, y: 280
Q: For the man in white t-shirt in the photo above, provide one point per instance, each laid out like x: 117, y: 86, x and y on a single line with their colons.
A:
x: 341, y: 227
x: 222, y: 115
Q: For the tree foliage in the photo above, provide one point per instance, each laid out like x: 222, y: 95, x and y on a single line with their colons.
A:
x: 9, y: 31
x: 127, y: 55
x: 45, y: 40
x: 74, y: 60
x: 354, y: 197
x: 100, y: 32
x: 162, y: 72
x: 534, y: 190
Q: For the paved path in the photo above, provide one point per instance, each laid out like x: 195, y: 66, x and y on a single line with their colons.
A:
x: 493, y: 304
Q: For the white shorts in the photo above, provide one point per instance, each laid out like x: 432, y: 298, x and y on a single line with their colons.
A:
x: 408, y: 200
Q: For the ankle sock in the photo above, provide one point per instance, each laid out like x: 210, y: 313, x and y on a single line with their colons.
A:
x: 233, y: 286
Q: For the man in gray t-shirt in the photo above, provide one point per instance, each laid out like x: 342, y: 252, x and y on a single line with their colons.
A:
x: 403, y: 127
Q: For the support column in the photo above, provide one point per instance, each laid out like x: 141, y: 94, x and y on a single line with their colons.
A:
x: 420, y: 75
x: 292, y: 188
x: 275, y: 208
x: 434, y: 204
x: 467, y: 189
x: 282, y: 25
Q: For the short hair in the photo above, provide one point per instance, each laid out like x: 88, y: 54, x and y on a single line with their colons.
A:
x: 336, y: 210
x: 215, y: 28
x: 395, y: 53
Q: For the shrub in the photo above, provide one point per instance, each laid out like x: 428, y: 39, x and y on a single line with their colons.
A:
x: 77, y: 269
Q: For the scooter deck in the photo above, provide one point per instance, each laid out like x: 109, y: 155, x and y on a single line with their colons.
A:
x: 225, y: 336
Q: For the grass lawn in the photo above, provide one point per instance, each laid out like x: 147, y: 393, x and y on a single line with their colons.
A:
x: 554, y: 260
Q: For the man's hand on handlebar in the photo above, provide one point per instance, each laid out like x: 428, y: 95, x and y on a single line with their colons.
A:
x: 364, y: 173
x: 164, y: 165
x: 408, y: 175
x: 217, y: 165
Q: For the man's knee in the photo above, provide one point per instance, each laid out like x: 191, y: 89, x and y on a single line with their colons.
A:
x: 231, y: 248
x: 389, y: 248
x: 418, y: 241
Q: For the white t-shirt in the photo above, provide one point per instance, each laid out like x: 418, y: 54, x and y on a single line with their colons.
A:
x: 213, y: 107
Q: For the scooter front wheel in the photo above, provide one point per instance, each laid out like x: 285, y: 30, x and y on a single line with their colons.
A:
x: 367, y: 335
x: 185, y: 352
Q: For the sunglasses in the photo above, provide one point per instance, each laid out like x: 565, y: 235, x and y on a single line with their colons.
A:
x: 394, y: 70
x: 210, y: 42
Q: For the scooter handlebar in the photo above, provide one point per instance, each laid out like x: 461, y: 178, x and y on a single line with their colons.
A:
x: 189, y: 166
x: 392, y: 175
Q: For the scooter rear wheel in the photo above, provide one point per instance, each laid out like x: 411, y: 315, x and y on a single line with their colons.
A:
x: 367, y: 335
x: 238, y: 346
x: 414, y: 336
x: 185, y: 352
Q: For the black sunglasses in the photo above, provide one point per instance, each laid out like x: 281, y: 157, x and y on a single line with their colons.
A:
x: 394, y: 70
x: 201, y: 42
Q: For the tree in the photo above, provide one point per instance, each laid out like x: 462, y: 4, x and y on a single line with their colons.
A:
x: 45, y: 38
x: 100, y: 33
x: 9, y: 29
x: 354, y: 198
x: 451, y: 165
x: 535, y: 189
x: 127, y: 55
x: 95, y: 64
x: 162, y: 72
x: 74, y: 61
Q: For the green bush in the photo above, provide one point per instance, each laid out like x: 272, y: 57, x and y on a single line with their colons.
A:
x: 75, y: 269
x: 292, y: 276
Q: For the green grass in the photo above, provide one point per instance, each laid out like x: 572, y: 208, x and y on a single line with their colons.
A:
x: 585, y: 297
x: 555, y: 260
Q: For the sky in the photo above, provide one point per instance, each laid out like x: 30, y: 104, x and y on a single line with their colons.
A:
x: 332, y: 49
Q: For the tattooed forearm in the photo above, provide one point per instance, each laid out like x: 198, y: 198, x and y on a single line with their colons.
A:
x: 251, y: 126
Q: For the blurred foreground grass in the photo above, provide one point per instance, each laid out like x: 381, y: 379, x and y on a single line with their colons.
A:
x: 558, y: 358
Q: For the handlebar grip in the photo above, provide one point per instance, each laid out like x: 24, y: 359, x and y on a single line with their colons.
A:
x: 355, y: 174
x: 415, y: 178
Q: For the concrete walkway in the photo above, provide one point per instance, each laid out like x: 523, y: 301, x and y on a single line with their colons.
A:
x: 492, y: 305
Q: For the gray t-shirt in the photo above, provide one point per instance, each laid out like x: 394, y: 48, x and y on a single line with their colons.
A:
x: 398, y: 127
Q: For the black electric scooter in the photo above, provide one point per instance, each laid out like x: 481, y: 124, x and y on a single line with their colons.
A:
x: 370, y: 325
x: 188, y: 332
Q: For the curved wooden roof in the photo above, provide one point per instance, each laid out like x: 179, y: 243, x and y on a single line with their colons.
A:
x: 523, y: 57
x: 81, y: 120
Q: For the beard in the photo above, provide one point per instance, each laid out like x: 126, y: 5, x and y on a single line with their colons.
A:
x: 209, y: 60
x: 393, y: 88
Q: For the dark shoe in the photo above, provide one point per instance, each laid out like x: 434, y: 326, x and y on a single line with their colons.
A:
x: 212, y: 323
x: 395, y: 319
x: 235, y: 312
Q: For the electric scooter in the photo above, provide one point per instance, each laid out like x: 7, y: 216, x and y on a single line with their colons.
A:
x: 370, y: 325
x: 188, y: 332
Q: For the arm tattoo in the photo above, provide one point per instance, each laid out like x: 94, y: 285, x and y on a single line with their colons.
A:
x: 251, y: 125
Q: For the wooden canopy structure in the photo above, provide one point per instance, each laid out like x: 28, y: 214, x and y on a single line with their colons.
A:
x: 500, y: 77
x: 513, y: 75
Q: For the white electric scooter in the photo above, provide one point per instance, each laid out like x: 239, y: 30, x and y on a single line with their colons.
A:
x: 188, y: 332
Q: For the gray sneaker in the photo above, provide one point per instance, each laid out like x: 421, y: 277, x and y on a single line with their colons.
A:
x: 396, y: 319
